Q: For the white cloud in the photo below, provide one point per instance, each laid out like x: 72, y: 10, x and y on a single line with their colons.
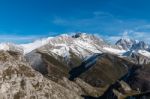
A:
x: 17, y: 38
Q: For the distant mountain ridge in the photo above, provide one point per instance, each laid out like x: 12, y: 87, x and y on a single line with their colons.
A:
x: 137, y: 51
x: 81, y: 38
x: 130, y: 44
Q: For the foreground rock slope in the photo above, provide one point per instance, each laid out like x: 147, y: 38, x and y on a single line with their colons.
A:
x: 19, y: 81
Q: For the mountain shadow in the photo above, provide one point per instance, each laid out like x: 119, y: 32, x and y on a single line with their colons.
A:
x: 86, y: 65
x: 127, y: 78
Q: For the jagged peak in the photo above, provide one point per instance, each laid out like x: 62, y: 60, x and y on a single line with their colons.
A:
x: 126, y: 40
x: 125, y: 43
x: 131, y: 44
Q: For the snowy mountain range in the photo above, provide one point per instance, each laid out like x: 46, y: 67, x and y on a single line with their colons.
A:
x: 82, y: 45
x: 130, y: 44
x: 77, y: 42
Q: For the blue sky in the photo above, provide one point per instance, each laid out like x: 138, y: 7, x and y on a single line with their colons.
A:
x: 26, y: 20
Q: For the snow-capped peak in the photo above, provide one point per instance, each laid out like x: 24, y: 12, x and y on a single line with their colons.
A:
x: 126, y: 43
x: 130, y: 44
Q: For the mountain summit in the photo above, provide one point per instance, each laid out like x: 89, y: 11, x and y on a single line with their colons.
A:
x: 130, y: 44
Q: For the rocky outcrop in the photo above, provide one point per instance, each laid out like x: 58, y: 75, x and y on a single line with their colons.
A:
x: 19, y: 81
x: 134, y: 85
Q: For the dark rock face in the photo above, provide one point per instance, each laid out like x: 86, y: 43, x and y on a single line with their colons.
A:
x: 107, y: 69
x: 138, y: 78
x: 98, y: 70
x: 85, y: 66
x: 77, y: 35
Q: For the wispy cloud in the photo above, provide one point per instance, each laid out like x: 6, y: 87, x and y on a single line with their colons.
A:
x: 18, y: 39
x: 103, y: 22
x: 95, y: 23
